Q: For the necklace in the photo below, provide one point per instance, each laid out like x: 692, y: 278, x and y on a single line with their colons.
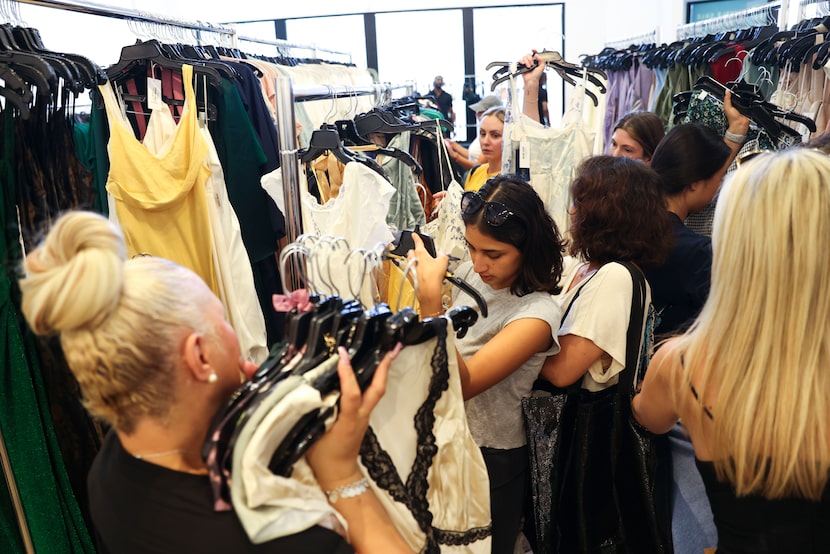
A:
x: 165, y: 453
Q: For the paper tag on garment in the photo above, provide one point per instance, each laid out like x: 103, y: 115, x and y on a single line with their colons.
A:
x: 524, y: 155
x: 702, y: 95
x: 154, y: 100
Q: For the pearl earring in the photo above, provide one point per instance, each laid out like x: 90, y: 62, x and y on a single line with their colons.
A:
x: 212, y: 378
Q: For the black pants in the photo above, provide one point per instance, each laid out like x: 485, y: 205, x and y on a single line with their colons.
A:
x: 509, y: 486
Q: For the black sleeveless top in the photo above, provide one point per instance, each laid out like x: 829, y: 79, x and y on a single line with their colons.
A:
x: 756, y: 525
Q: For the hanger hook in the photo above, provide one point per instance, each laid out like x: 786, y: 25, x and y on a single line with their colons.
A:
x: 411, y: 267
x: 317, y: 267
x: 361, y: 252
x: 732, y: 59
x: 293, y: 249
x: 375, y: 273
x: 333, y: 107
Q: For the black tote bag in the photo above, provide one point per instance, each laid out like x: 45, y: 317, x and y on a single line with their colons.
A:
x: 597, y: 483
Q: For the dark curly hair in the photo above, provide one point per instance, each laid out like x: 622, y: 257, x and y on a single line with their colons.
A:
x: 619, y: 213
x: 530, y: 229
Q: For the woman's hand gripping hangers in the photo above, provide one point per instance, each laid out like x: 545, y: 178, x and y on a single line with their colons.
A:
x: 431, y: 273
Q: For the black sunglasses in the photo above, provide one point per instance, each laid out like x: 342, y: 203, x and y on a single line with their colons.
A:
x: 495, y: 213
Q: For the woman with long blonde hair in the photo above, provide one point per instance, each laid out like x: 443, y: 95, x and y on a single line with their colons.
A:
x: 750, y: 379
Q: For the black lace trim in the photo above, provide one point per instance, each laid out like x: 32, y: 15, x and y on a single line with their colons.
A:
x: 413, y: 494
x: 458, y: 538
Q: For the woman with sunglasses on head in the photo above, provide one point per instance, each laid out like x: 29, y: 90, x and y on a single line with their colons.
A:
x: 749, y: 379
x: 516, y: 261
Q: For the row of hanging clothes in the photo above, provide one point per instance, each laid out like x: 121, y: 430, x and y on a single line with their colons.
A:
x: 47, y: 440
x: 366, y: 175
x: 777, y: 77
x: 175, y: 148
x: 418, y: 454
x: 547, y: 157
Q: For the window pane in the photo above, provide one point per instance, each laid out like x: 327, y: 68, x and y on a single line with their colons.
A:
x: 506, y: 34
x: 341, y: 33
x: 699, y: 11
x: 417, y: 46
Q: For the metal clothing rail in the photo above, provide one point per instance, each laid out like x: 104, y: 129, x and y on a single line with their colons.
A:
x: 645, y: 38
x: 381, y: 91
x: 823, y: 8
x: 104, y: 10
x: 286, y: 95
x: 286, y: 44
x: 762, y: 15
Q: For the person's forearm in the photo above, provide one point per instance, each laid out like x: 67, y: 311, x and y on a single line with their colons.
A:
x: 370, y: 528
x: 463, y: 161
x: 737, y: 128
x: 531, y: 100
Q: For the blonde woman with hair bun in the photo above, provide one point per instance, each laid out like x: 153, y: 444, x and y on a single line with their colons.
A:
x: 751, y: 378
x: 155, y: 358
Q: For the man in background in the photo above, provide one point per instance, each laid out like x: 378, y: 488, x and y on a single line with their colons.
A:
x: 442, y: 99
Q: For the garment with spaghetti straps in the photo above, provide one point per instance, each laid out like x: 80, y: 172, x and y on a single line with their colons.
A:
x: 233, y: 270
x: 418, y: 454
x: 551, y: 154
x: 756, y: 525
x: 160, y: 199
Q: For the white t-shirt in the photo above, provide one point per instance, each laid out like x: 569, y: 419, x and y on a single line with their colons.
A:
x: 495, y: 415
x: 600, y: 313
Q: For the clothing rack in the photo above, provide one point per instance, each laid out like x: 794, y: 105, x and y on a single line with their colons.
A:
x: 760, y: 16
x: 115, y: 12
x: 646, y: 38
x: 293, y: 45
x: 286, y: 95
x: 822, y: 7
x: 104, y: 10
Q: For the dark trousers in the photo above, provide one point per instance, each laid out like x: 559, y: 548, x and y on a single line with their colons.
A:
x: 509, y: 486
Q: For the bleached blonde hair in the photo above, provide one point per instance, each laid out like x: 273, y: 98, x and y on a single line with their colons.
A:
x: 120, y: 321
x: 761, y: 344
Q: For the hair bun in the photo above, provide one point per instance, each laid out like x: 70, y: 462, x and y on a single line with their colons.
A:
x: 74, y: 278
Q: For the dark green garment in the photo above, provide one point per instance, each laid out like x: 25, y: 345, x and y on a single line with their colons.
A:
x: 243, y: 161
x: 53, y: 516
x: 91, y: 147
x: 677, y: 80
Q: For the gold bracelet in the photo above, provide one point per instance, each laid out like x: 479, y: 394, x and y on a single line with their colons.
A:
x: 348, y: 491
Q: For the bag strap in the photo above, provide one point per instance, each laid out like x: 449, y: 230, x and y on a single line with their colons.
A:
x: 575, y: 296
x: 634, y: 336
x: 543, y: 384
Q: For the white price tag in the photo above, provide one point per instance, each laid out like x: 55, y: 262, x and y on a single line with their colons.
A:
x: 702, y: 95
x: 154, y: 100
x: 524, y: 155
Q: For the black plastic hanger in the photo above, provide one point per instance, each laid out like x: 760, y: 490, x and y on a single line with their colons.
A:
x: 15, y: 91
x: 33, y: 70
x: 403, y: 244
x: 322, y: 141
x: 152, y: 51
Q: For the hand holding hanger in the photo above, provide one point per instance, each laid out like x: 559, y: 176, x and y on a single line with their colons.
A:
x: 333, y: 457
